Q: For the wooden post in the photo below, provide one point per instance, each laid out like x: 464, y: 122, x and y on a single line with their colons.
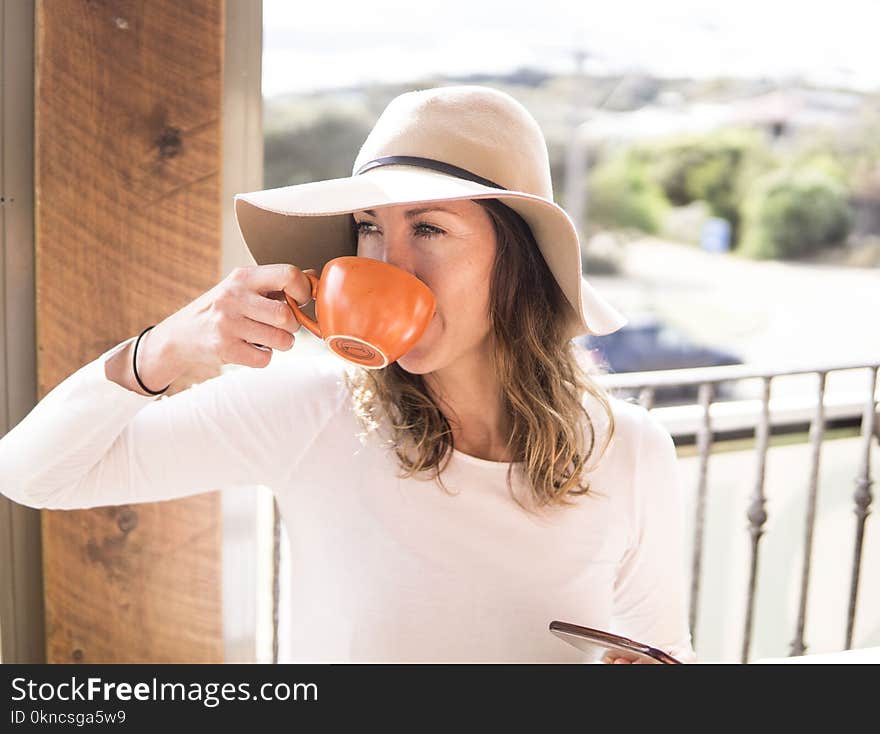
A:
x: 128, y: 230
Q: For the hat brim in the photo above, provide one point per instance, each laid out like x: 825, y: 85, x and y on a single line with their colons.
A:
x: 309, y: 224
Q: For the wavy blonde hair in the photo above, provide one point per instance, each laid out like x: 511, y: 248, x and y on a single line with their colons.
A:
x: 543, y: 376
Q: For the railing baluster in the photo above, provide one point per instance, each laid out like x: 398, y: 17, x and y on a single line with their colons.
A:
x: 862, y: 499
x: 276, y: 574
x: 817, y: 433
x: 756, y: 513
x: 646, y: 397
x: 704, y: 439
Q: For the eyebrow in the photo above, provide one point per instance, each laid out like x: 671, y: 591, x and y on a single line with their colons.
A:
x: 410, y: 213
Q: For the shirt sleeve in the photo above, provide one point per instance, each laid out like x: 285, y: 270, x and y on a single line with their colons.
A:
x: 649, y: 591
x: 92, y: 442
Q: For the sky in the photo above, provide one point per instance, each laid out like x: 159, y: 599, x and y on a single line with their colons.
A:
x: 338, y: 43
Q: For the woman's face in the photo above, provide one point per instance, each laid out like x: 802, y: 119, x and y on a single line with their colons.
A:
x: 450, y: 246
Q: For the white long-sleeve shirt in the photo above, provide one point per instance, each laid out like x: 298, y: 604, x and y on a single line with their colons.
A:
x: 383, y: 569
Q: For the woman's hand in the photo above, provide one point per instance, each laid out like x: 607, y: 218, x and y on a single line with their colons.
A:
x: 614, y: 658
x: 230, y: 322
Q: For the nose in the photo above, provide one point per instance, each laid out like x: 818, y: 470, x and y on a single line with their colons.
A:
x: 396, y: 250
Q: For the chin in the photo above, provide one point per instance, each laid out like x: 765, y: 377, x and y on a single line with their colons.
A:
x: 423, y: 357
x: 417, y: 363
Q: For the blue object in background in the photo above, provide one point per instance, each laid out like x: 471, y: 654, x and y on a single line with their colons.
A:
x: 715, y: 235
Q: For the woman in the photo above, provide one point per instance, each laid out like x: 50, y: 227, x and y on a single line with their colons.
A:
x: 560, y: 501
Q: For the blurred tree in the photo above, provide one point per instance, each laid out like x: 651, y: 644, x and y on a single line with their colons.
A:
x: 794, y: 211
x: 322, y: 148
x: 713, y: 167
x: 622, y: 194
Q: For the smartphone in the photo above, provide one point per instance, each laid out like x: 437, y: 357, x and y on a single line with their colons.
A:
x: 600, y: 642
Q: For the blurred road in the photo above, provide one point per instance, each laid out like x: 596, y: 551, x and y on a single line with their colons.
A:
x: 772, y: 313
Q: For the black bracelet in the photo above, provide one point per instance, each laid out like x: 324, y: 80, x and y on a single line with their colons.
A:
x: 134, y: 366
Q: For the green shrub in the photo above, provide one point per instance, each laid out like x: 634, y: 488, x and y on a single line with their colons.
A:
x: 713, y: 167
x: 823, y: 161
x: 852, y: 158
x: 621, y: 194
x: 792, y: 212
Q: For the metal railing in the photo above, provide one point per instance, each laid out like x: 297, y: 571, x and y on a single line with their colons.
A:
x: 699, y: 422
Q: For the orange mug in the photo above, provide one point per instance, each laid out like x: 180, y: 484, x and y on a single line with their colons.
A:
x: 368, y: 312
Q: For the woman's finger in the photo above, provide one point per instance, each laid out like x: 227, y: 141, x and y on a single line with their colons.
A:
x: 258, y: 333
x: 271, y: 309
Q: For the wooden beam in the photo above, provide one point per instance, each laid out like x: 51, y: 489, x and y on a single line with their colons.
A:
x: 22, y: 635
x: 128, y: 230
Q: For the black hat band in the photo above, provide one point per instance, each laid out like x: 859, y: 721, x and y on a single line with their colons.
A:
x: 413, y: 160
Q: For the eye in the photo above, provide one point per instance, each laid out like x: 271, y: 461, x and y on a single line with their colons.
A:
x: 359, y: 225
x: 427, y: 230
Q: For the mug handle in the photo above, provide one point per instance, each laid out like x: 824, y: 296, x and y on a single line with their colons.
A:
x: 309, y: 323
